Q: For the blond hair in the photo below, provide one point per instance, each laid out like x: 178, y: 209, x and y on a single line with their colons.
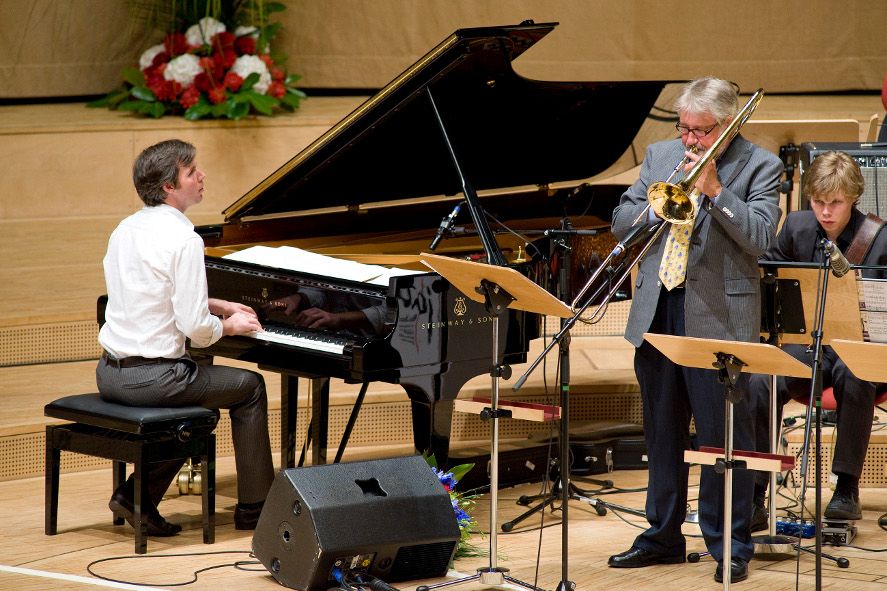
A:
x: 833, y: 172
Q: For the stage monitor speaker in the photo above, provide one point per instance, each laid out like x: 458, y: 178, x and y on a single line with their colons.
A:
x: 391, y: 519
x: 872, y: 160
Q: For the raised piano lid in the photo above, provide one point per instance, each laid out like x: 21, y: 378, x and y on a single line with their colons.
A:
x: 507, y: 131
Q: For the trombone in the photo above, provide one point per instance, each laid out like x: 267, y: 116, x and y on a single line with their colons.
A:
x: 673, y: 202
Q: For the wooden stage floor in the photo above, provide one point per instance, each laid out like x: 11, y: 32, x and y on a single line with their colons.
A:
x: 86, y: 535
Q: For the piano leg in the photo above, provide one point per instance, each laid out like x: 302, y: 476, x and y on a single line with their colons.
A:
x: 320, y: 412
x: 431, y: 428
x: 432, y: 399
x: 289, y: 410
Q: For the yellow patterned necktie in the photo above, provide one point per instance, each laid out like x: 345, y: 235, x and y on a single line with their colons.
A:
x: 673, y: 267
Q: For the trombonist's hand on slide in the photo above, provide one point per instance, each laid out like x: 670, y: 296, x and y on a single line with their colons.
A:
x: 708, y: 182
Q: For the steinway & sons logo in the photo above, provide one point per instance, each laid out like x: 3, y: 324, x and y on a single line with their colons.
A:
x: 262, y: 299
x: 460, y: 309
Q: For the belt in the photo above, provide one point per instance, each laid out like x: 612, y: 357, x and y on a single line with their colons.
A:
x: 134, y: 361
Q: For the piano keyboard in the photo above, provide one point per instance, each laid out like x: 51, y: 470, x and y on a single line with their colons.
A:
x: 301, y: 338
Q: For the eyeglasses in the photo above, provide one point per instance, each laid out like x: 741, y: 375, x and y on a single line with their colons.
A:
x: 699, y: 133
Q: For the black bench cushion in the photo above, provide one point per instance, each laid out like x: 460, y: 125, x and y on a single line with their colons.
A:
x: 90, y: 409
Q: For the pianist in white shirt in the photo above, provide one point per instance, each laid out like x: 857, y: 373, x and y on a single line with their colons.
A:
x: 157, y: 298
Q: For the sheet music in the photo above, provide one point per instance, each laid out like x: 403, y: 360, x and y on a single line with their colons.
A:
x: 297, y: 259
x: 873, y: 308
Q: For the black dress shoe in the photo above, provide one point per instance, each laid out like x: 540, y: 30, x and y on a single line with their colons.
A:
x: 759, y: 518
x: 843, y: 506
x: 636, y: 557
x: 738, y: 571
x: 246, y: 516
x: 157, y: 525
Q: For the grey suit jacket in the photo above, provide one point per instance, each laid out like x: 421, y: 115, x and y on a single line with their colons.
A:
x: 722, y: 298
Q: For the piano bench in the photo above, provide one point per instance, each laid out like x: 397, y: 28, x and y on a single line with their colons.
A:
x: 135, y: 435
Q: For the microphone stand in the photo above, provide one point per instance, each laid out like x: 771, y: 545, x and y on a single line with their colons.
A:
x: 816, y: 400
x: 561, y: 238
x: 562, y: 340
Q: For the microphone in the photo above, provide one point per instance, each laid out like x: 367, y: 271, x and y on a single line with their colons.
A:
x: 837, y: 261
x: 635, y: 234
x: 445, y: 225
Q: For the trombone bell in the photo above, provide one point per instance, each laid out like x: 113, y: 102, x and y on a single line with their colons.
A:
x: 671, y: 203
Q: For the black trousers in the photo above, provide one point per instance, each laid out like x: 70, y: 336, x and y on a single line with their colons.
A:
x: 184, y: 383
x: 856, y: 408
x: 671, y: 394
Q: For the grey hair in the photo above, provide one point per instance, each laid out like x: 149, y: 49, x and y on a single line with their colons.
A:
x: 709, y: 95
x: 157, y: 166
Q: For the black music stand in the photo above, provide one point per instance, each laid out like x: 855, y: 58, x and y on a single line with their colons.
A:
x: 730, y: 358
x: 498, y: 287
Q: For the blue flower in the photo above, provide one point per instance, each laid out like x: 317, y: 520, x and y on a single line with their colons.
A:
x: 462, y: 517
x: 446, y: 478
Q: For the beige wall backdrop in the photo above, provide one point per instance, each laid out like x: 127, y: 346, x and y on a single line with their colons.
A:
x: 50, y: 48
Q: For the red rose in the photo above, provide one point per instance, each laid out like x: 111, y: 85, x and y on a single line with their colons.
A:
x: 175, y: 44
x: 218, y: 95
x: 226, y: 58
x: 190, y: 97
x: 160, y: 58
x: 276, y: 89
x: 245, y: 45
x: 203, y: 82
x: 164, y: 90
x: 212, y: 68
x: 155, y: 85
x: 154, y: 72
x: 223, y: 41
x: 267, y: 59
x: 233, y: 81
x: 173, y: 89
x: 277, y: 73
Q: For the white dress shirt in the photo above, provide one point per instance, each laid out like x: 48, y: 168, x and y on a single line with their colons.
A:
x: 156, y: 282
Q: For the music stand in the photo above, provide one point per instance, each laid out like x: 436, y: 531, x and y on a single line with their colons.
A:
x: 865, y: 360
x: 730, y: 358
x: 498, y: 288
x: 843, y: 295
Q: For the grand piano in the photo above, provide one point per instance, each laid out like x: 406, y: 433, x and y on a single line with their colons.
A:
x: 458, y: 126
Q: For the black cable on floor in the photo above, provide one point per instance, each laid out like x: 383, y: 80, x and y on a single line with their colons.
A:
x: 240, y: 565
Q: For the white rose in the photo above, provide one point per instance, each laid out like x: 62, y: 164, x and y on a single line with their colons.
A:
x: 246, y: 65
x: 242, y: 31
x: 148, y: 56
x: 203, y: 32
x: 183, y: 69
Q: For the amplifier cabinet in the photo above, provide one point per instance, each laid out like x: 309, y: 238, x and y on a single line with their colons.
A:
x: 872, y: 159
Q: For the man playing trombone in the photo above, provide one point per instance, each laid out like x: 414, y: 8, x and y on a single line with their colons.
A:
x: 700, y: 279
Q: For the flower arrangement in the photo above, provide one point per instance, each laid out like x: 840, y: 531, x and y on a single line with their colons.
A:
x: 219, y: 65
x: 462, y: 505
